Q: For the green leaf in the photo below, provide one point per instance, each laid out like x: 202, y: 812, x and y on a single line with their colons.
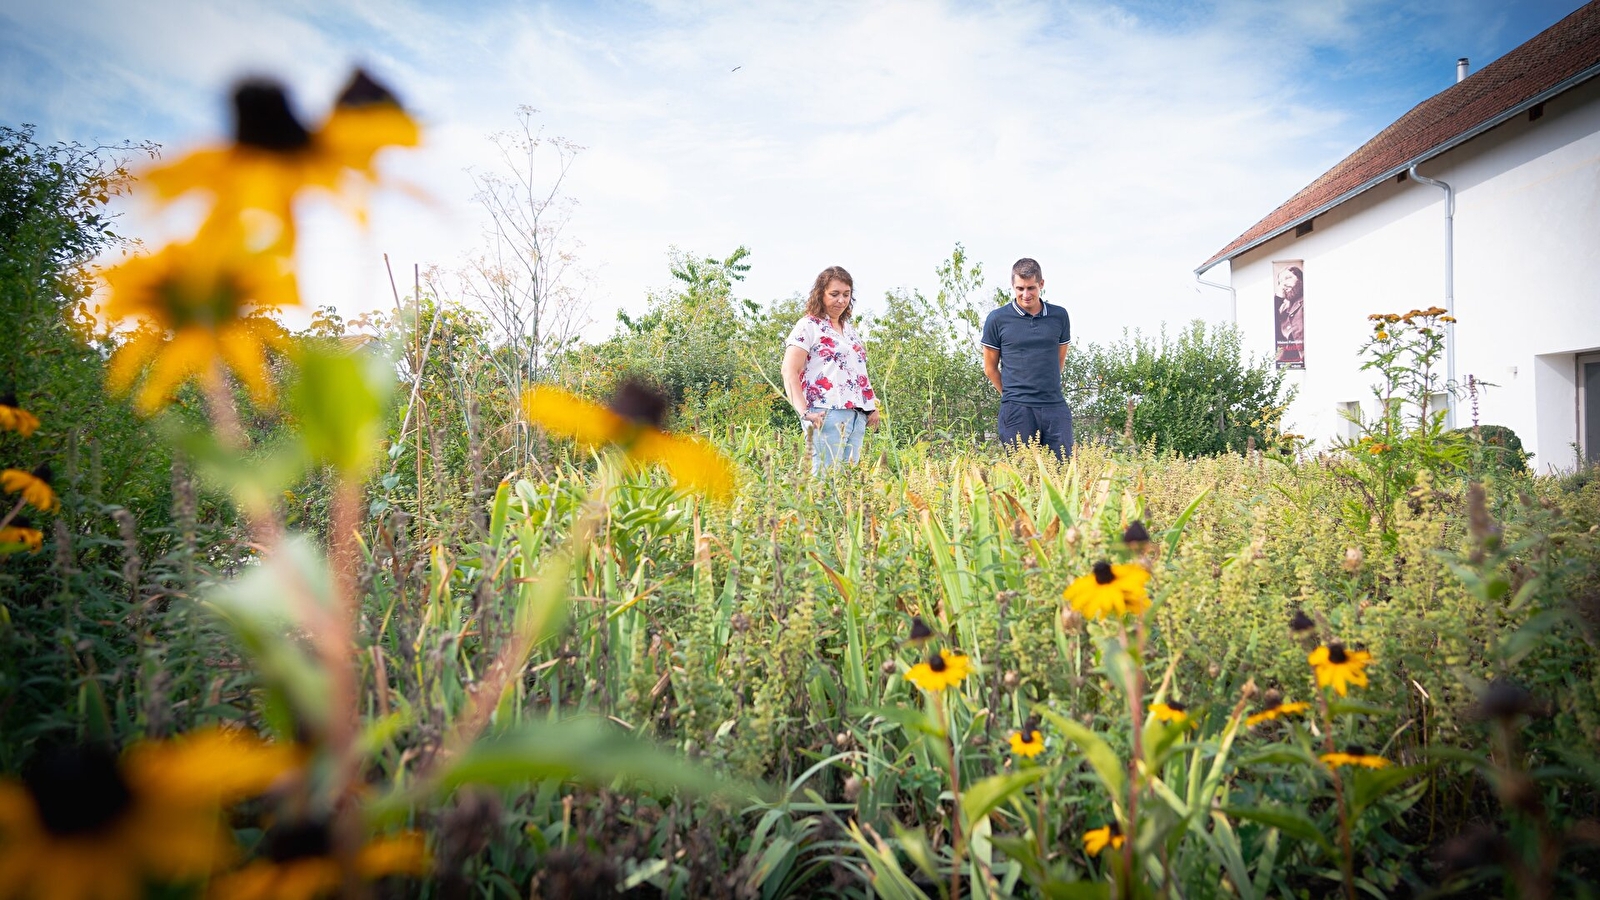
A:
x: 1076, y: 890
x: 1099, y: 753
x: 1279, y: 754
x: 913, y: 720
x: 1292, y: 823
x: 586, y: 750
x: 1371, y: 785
x: 978, y: 800
x: 258, y: 608
x: 338, y: 402
x: 1176, y: 531
x: 1358, y: 708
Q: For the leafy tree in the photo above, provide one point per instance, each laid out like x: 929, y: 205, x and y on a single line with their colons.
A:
x: 926, y: 361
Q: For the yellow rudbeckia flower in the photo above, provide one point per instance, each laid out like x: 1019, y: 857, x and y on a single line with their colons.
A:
x: 1029, y: 741
x: 1339, y: 667
x: 632, y: 423
x: 1273, y: 708
x: 298, y: 864
x: 1108, y: 835
x: 1109, y: 590
x: 942, y: 670
x: 83, y: 825
x: 33, y: 486
x: 1172, y: 711
x: 202, y: 304
x: 274, y: 156
x: 1353, y: 756
x: 22, y: 532
x: 14, y: 418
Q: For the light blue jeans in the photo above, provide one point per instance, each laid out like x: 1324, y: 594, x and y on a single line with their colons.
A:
x: 839, y: 438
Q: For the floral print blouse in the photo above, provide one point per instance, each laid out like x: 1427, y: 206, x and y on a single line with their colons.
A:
x: 835, y: 376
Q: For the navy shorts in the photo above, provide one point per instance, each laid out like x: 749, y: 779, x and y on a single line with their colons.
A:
x: 1049, y: 425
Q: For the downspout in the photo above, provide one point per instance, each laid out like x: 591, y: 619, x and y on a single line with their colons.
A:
x: 1449, y: 292
x: 1233, y: 298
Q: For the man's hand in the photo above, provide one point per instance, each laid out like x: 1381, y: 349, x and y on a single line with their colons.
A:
x: 814, y: 419
x: 991, y: 368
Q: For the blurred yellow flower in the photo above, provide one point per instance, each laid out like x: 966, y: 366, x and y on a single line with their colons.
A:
x: 21, y: 531
x: 82, y: 825
x: 1339, y: 667
x: 274, y: 157
x: 298, y: 864
x: 1029, y: 741
x: 942, y: 670
x: 1109, y: 590
x: 632, y: 423
x: 14, y: 418
x: 1353, y: 756
x: 1173, y: 711
x: 1275, y: 707
x: 1108, y: 835
x: 201, y: 302
x: 33, y: 486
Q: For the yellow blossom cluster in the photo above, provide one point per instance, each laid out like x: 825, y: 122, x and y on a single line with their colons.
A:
x: 204, y: 305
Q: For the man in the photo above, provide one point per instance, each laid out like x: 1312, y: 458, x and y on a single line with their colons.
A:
x: 1025, y: 344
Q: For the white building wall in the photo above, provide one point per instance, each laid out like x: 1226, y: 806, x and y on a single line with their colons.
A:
x: 1527, y: 277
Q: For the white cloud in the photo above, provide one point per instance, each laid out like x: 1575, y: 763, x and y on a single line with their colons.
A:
x: 1119, y: 150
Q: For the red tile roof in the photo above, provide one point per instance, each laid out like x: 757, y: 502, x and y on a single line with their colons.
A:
x: 1557, y: 59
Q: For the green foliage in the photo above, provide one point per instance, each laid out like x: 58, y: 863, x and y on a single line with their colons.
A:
x: 1195, y: 394
x: 925, y: 358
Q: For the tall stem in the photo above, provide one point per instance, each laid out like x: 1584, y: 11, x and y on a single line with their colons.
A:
x: 957, y: 848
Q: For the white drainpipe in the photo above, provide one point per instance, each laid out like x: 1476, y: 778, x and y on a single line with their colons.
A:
x: 1449, y: 292
x: 1233, y: 297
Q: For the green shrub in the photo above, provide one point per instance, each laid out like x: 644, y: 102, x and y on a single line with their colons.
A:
x: 1196, y: 394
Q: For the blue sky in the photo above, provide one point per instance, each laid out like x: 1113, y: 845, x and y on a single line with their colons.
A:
x: 1120, y: 144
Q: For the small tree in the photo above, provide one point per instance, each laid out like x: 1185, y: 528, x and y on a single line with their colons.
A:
x: 526, y: 279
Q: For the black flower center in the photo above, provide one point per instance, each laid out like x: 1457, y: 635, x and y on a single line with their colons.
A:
x: 1177, y: 706
x: 78, y: 790
x: 1102, y: 573
x: 44, y: 473
x: 1301, y: 622
x: 262, y: 118
x: 920, y: 630
x: 639, y: 402
x: 1116, y: 830
x: 936, y: 662
x: 9, y: 398
x: 1336, y: 653
x: 364, y: 90
x: 1272, y: 700
x: 1136, y: 533
x: 1356, y: 750
x: 298, y: 840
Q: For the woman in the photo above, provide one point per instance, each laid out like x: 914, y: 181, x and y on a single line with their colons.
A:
x: 825, y: 373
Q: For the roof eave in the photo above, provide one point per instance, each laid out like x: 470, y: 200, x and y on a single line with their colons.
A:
x: 1500, y: 119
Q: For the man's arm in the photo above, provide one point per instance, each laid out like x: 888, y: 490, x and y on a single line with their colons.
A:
x: 991, y: 367
x: 1063, y: 360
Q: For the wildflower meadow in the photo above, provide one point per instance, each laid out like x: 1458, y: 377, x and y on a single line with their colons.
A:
x: 398, y: 608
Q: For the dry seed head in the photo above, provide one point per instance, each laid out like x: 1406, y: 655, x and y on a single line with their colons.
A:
x: 1011, y: 679
x: 1353, y: 559
x: 852, y: 788
x: 842, y: 740
x: 1070, y: 535
x: 889, y: 667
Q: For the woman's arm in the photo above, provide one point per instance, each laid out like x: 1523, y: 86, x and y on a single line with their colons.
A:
x: 794, y: 366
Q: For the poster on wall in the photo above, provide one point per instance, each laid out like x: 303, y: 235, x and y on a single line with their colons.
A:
x: 1289, y: 313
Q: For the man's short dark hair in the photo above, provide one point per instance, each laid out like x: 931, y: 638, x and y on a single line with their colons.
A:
x: 1027, y: 269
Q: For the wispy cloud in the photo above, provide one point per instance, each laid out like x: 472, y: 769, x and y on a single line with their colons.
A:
x: 1118, y: 144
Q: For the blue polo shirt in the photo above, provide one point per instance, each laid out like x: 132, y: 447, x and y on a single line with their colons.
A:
x: 1030, y: 352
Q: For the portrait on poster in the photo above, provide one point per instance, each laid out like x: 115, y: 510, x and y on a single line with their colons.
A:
x: 1289, y: 313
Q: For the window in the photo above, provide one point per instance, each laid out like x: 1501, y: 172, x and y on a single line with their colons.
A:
x: 1589, y: 408
x: 1349, y: 419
